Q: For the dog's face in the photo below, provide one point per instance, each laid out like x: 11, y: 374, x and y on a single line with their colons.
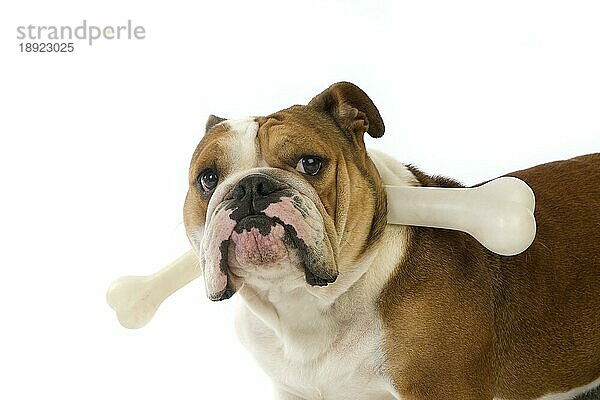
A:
x: 287, y: 199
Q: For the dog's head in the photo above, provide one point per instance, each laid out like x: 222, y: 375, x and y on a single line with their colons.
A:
x: 287, y: 199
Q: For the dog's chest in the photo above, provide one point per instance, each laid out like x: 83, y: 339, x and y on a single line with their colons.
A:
x: 320, y: 360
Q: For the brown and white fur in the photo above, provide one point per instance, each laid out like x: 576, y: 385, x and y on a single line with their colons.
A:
x: 336, y: 304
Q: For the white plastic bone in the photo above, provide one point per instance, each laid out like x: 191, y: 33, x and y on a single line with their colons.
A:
x: 136, y: 298
x: 498, y: 214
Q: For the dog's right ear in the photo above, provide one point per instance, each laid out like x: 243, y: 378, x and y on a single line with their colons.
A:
x: 212, y: 121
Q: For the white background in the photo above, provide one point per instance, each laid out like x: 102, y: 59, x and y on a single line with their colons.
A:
x: 95, y: 145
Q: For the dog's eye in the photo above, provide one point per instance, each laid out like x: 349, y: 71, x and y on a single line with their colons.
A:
x: 309, y: 165
x: 208, y: 179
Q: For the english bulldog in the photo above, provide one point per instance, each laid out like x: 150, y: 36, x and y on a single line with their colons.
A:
x: 289, y: 211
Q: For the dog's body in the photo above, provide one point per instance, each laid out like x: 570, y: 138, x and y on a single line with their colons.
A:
x: 336, y: 304
x: 511, y: 327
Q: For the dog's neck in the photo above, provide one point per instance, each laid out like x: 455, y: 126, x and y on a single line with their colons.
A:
x: 301, y: 316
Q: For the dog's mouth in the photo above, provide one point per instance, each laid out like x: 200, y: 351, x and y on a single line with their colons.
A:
x: 259, y: 247
x: 262, y: 244
x: 280, y: 243
x: 259, y: 242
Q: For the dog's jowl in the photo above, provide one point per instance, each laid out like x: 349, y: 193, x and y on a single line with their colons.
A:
x: 289, y: 211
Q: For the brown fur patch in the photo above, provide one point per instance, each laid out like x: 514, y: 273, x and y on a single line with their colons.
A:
x: 348, y: 186
x: 210, y: 152
x: 464, y: 323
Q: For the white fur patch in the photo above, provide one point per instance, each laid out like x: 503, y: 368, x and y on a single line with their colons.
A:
x: 392, y: 171
x: 244, y: 150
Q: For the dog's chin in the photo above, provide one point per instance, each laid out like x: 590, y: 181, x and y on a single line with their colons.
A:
x: 261, y: 253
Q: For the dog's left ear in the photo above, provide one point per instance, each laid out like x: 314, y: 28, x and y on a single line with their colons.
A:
x: 212, y: 121
x: 351, y: 108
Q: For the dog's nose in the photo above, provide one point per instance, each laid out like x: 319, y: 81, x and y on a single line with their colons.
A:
x: 253, y: 192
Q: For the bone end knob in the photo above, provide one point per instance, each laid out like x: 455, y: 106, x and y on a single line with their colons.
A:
x: 498, y: 214
x: 505, y: 208
x: 131, y: 298
x: 135, y: 299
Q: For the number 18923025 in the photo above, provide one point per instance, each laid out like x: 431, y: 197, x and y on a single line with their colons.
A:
x: 46, y: 47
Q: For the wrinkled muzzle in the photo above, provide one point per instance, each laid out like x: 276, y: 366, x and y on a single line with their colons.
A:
x: 261, y: 225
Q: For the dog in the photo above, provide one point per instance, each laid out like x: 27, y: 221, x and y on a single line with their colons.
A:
x: 289, y: 211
